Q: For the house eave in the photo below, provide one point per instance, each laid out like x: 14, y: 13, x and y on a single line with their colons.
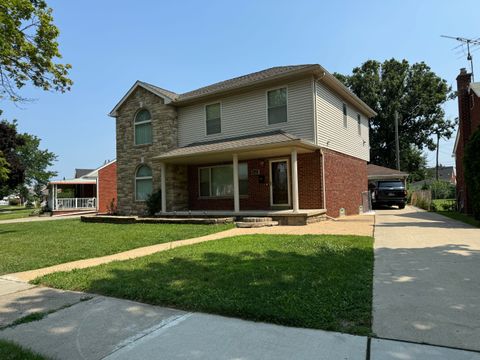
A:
x: 137, y: 84
x: 244, y: 152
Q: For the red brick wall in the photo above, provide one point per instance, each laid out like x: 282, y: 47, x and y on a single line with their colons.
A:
x: 310, y: 180
x: 345, y: 180
x: 258, y: 194
x: 107, y: 187
x: 469, y: 122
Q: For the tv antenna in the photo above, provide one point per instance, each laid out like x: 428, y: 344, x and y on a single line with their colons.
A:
x: 470, y: 43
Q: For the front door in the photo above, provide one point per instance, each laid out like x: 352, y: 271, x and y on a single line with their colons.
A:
x: 279, y: 183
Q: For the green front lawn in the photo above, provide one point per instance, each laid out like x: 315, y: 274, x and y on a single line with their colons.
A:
x: 26, y: 246
x: 11, y: 351
x: 14, y: 212
x: 322, y: 282
x: 467, y: 219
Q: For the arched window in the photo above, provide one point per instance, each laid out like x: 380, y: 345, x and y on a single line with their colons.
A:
x: 143, y: 127
x: 143, y: 183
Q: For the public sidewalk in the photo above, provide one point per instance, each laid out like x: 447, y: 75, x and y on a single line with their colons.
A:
x: 90, y: 327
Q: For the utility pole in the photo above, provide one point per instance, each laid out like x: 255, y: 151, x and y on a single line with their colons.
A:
x: 397, y: 141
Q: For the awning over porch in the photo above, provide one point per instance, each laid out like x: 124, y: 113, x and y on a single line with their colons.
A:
x: 271, y: 144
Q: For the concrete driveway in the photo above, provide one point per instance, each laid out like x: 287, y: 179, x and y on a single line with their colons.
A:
x: 427, y: 279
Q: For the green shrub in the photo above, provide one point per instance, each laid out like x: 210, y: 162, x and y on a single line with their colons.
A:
x: 66, y: 193
x: 442, y: 190
x: 154, y: 203
x: 471, y: 164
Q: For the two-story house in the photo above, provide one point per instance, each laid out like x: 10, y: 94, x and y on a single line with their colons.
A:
x: 288, y: 138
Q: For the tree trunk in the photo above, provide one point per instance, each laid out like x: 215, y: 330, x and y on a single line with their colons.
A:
x: 438, y: 149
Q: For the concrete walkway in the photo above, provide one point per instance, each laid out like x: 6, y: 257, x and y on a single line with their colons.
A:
x: 38, y: 218
x: 427, y: 279
x: 105, y: 328
x: 354, y: 225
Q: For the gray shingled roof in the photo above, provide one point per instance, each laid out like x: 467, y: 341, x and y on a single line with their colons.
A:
x: 247, y: 80
x: 476, y: 88
x: 241, y: 81
x: 374, y: 171
x: 81, y: 172
x: 272, y: 137
x: 159, y: 90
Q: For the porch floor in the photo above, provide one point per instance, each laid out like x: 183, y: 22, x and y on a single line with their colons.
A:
x: 284, y: 217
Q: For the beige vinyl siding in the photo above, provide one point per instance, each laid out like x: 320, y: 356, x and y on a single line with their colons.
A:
x: 332, y: 133
x: 246, y: 114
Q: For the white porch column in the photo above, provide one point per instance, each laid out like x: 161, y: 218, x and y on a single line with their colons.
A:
x: 163, y: 187
x: 54, y: 197
x: 236, y: 188
x: 294, y: 180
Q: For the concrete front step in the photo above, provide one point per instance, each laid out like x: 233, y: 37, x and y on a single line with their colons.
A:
x: 256, y: 224
x: 256, y: 219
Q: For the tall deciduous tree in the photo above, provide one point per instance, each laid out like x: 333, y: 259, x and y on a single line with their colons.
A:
x: 4, y: 170
x: 28, y: 165
x: 416, y: 92
x: 29, y: 49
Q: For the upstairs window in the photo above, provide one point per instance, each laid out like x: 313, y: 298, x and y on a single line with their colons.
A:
x: 345, y: 123
x: 359, y: 121
x: 277, y: 106
x: 213, y: 116
x: 143, y: 183
x: 143, y: 128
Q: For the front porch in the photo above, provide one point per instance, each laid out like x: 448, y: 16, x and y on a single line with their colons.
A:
x: 72, y: 196
x: 284, y: 217
x: 273, y: 175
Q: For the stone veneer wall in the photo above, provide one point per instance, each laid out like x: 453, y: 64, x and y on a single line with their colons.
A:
x: 131, y: 156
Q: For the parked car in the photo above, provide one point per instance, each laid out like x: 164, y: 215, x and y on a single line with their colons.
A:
x: 388, y: 193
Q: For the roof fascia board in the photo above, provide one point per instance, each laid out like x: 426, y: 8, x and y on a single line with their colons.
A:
x: 137, y: 83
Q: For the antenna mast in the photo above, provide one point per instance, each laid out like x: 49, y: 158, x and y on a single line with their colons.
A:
x: 468, y: 42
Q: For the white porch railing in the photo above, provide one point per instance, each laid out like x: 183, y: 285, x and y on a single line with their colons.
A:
x: 75, y: 203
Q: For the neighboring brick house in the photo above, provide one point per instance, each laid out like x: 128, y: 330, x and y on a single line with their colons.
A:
x: 91, y: 190
x: 469, y: 121
x: 289, y: 138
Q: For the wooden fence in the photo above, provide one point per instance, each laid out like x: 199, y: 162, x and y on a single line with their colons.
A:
x: 422, y: 199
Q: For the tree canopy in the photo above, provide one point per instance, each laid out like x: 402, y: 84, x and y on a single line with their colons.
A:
x: 29, y: 49
x: 25, y: 165
x: 416, y: 93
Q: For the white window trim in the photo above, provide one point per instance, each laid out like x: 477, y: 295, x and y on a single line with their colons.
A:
x: 205, y: 118
x: 288, y: 182
x: 200, y: 196
x: 266, y: 104
x: 140, y: 123
x: 345, y: 114
x: 359, y: 124
x: 141, y: 178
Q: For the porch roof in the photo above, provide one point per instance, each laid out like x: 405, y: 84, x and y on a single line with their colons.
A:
x: 270, y: 144
x: 78, y: 181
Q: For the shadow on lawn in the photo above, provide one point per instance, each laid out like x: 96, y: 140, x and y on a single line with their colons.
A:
x: 329, y: 290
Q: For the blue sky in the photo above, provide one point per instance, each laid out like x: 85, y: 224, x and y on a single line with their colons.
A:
x: 182, y: 45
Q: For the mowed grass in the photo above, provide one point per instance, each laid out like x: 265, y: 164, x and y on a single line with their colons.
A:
x: 14, y: 212
x: 11, y: 351
x: 467, y: 219
x: 26, y: 246
x: 322, y: 282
